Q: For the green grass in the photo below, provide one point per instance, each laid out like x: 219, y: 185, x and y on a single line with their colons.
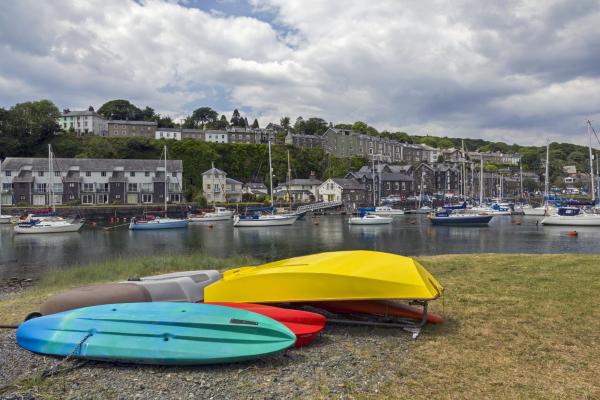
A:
x: 14, y: 309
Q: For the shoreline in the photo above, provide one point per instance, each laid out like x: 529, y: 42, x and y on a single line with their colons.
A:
x: 517, y: 326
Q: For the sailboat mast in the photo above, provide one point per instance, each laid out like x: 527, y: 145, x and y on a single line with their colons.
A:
x: 289, y: 179
x: 166, y: 183
x: 270, y: 176
x: 212, y: 164
x: 421, y: 191
x: 591, y: 163
x: 379, y: 180
x: 50, y: 191
x: 373, y: 176
x: 481, y: 179
x: 521, y: 177
x: 546, y: 177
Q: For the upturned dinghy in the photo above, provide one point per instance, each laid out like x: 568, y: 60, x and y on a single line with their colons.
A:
x: 342, y: 275
x: 305, y: 325
x: 156, y: 333
x: 186, y: 286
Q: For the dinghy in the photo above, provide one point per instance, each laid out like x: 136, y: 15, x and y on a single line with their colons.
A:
x: 305, y: 325
x: 380, y: 308
x: 156, y: 333
x: 342, y: 275
x: 187, y: 286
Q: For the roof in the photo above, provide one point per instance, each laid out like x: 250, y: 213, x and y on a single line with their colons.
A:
x: 84, y: 113
x: 214, y: 171
x: 90, y: 164
x: 385, y: 176
x: 256, y: 185
x: 168, y: 129
x: 126, y: 122
x: 351, y: 184
x: 231, y: 181
x: 309, y: 181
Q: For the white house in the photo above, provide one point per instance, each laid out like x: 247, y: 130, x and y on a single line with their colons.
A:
x: 233, y: 190
x: 168, y: 133
x: 213, y: 185
x: 301, y: 190
x: 349, y: 191
x: 83, y: 122
x: 214, y: 136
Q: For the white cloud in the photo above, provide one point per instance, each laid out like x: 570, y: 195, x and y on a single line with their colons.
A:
x: 504, y: 71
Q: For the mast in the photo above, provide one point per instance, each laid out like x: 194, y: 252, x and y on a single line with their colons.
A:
x: 289, y: 179
x: 546, y: 177
x: 50, y: 188
x: 421, y: 191
x: 373, y: 176
x: 212, y: 165
x: 521, y: 177
x: 379, y: 180
x: 480, y: 179
x: 271, y: 176
x: 591, y: 162
x: 166, y: 183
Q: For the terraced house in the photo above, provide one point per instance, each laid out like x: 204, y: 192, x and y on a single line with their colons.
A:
x: 83, y: 122
x: 90, y: 181
x: 121, y: 128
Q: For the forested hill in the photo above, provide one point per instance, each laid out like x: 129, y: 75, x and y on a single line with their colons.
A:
x: 26, y: 128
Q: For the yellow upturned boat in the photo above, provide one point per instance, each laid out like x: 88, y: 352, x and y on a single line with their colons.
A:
x: 341, y: 275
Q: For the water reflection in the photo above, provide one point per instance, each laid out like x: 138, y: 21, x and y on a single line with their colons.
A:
x: 29, y: 255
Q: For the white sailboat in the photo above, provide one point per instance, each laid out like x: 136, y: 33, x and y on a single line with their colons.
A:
x: 49, y: 224
x: 369, y: 216
x: 259, y: 219
x: 158, y: 222
x: 545, y: 209
x: 423, y: 209
x: 4, y: 219
x: 572, y: 216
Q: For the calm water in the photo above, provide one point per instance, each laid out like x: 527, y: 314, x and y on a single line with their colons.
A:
x: 29, y: 255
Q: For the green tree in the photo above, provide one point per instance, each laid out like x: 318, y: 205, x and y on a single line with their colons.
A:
x: 300, y: 125
x: 204, y: 115
x: 121, y: 109
x: 236, y: 119
x: 255, y: 124
x: 315, y: 126
x: 285, y: 122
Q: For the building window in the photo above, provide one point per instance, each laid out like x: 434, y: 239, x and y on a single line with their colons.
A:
x: 102, y: 199
x: 71, y: 197
x: 40, y: 173
x: 56, y: 173
x: 132, y: 187
x: 88, y: 187
x: 132, y: 174
x: 146, y: 198
x: 174, y: 174
x: 147, y: 174
x: 117, y: 196
x: 40, y: 187
x: 87, y: 199
x: 88, y: 173
x: 103, y: 173
x: 208, y: 186
x: 71, y: 185
x: 22, y: 197
x: 7, y: 173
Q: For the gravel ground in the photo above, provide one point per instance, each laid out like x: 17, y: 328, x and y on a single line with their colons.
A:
x: 345, y: 362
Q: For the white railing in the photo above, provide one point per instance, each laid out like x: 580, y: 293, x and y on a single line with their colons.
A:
x: 319, y: 206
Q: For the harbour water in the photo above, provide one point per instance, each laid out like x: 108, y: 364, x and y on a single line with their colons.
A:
x: 27, y: 256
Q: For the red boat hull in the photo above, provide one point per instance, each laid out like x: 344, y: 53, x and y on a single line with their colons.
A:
x: 305, y: 325
x: 382, y: 308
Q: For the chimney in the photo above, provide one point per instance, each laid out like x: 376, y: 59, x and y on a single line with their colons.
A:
x: 312, y: 175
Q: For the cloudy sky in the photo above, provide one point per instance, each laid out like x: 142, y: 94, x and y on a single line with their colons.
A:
x: 513, y: 71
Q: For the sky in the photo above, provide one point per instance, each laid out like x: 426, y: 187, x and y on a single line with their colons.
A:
x: 512, y: 71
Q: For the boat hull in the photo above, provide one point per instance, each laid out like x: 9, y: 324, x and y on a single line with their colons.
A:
x: 370, y: 221
x: 33, y: 229
x: 380, y: 308
x: 343, y: 275
x: 470, y: 220
x: 156, y: 333
x: 305, y: 325
x: 210, y: 218
x: 266, y: 220
x: 142, y: 226
x: 587, y: 220
x: 5, y: 219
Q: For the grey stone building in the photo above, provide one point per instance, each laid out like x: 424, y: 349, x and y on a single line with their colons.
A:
x: 389, y: 180
x: 306, y: 141
x: 436, y: 178
x: 349, y: 191
x: 118, y: 128
x: 90, y: 181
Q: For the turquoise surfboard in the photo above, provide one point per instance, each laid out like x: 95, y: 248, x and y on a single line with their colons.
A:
x: 157, y: 333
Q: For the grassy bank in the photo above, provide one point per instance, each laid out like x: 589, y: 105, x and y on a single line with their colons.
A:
x: 518, y: 326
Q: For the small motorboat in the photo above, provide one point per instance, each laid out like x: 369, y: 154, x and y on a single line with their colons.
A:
x: 262, y: 220
x: 5, y: 219
x: 152, y: 222
x: 341, y: 275
x: 370, y: 219
x: 447, y: 217
x: 156, y: 333
x: 219, y: 214
x: 48, y: 225
x: 423, y: 210
x: 572, y: 216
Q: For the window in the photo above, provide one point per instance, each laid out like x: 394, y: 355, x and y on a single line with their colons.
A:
x: 40, y: 173
x: 174, y: 174
x: 71, y: 197
x: 146, y: 187
x: 397, y: 185
x: 22, y: 197
x: 87, y: 199
x: 7, y: 173
x: 132, y: 174
x: 132, y: 187
x: 88, y: 173
x: 72, y: 185
x: 102, y: 199
x: 88, y: 187
x: 103, y: 173
x: 147, y: 174
x: 117, y: 196
x: 208, y: 186
x: 389, y: 185
x: 146, y: 198
x: 56, y: 173
x: 40, y: 187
